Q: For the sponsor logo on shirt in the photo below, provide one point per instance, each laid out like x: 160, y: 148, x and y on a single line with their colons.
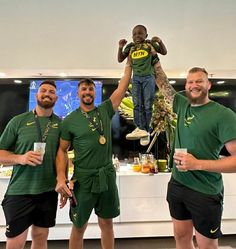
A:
x: 139, y: 54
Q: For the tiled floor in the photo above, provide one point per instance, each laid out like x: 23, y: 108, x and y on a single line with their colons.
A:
x: 226, y: 242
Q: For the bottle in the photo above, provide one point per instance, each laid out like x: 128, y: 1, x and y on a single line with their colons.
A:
x: 116, y: 164
x: 136, y: 165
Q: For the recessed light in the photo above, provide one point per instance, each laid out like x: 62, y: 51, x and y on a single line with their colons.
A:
x: 220, y: 82
x: 18, y: 81
x: 2, y: 75
x: 220, y: 94
x: 183, y: 74
x: 62, y: 74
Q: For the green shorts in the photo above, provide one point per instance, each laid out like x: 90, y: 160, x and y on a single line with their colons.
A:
x: 105, y: 204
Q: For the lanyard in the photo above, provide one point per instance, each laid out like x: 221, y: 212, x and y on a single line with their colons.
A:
x: 42, y: 137
x: 95, y: 123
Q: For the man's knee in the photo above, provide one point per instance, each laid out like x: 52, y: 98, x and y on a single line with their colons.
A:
x: 39, y: 234
x: 78, y: 232
x: 105, y: 224
x: 17, y: 242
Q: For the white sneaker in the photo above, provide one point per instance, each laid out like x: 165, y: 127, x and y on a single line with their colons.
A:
x: 136, y: 134
x: 145, y: 140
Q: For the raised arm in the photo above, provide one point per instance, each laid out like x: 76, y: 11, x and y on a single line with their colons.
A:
x: 121, y: 55
x: 163, y: 83
x: 162, y: 47
x: 119, y: 93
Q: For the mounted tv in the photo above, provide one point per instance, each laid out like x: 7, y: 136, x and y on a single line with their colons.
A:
x: 68, y: 100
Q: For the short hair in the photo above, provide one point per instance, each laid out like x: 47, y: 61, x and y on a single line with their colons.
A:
x: 86, y: 81
x: 198, y: 69
x: 141, y: 26
x: 48, y: 82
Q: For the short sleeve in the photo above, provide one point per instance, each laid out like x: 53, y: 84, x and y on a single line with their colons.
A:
x: 227, y: 125
x: 127, y: 48
x: 9, y: 135
x: 65, y: 133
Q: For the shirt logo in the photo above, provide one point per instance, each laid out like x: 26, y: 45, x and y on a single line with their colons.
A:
x: 139, y: 54
x: 8, y: 228
x: 30, y: 123
x: 213, y: 231
x: 188, y: 120
x: 55, y: 126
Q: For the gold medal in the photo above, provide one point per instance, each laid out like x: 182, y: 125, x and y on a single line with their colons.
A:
x: 95, y: 123
x: 102, y: 139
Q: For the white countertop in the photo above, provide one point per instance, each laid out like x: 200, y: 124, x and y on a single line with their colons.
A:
x: 125, y: 170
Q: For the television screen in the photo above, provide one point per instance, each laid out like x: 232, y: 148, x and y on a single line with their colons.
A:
x: 67, y: 95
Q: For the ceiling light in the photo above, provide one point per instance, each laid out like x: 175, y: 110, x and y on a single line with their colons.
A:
x: 62, y: 74
x: 172, y: 82
x: 220, y: 94
x: 18, y: 81
x: 220, y: 82
x: 183, y: 74
x: 2, y: 75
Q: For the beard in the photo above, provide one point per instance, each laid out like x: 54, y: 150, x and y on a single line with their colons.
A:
x: 45, y: 104
x: 87, y: 102
x: 200, y: 99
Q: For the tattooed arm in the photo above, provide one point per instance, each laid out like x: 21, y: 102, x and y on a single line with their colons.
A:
x: 161, y: 79
x: 163, y: 83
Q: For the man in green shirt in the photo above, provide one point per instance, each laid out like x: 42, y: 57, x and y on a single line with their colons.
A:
x: 30, y: 199
x: 88, y: 130
x: 195, y: 191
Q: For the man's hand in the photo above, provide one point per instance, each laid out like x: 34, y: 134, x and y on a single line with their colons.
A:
x: 63, y: 190
x: 185, y: 162
x: 122, y: 43
x: 63, y: 201
x: 32, y: 158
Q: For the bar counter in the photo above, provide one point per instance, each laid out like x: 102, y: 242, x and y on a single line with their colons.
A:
x: 143, y: 208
